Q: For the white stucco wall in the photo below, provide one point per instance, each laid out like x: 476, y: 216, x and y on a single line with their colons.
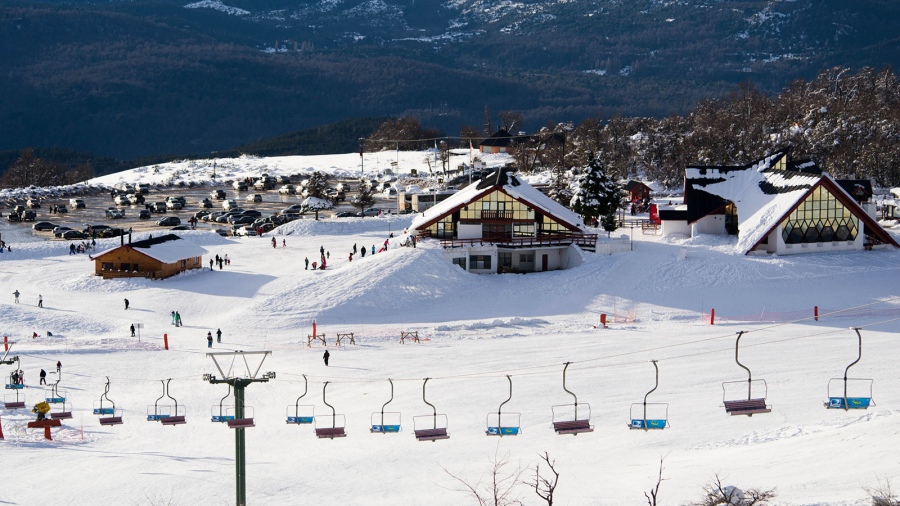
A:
x: 712, y: 224
x: 469, y: 231
x: 675, y: 227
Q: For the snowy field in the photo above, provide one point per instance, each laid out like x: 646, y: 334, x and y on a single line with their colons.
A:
x: 478, y: 329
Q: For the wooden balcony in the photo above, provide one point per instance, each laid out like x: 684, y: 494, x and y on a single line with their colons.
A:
x: 585, y: 241
x: 496, y: 216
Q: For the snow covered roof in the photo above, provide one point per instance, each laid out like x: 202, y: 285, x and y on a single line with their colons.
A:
x: 764, y: 192
x: 510, y: 184
x: 167, y: 249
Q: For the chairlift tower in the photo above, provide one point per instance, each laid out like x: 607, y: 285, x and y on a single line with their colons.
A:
x: 239, y: 383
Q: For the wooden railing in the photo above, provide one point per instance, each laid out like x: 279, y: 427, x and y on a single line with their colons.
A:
x: 586, y: 241
x: 496, y: 215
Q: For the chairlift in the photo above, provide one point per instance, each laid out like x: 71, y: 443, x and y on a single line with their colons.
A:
x: 109, y: 415
x: 430, y: 427
x: 327, y: 425
x: 566, y: 419
x: 13, y: 383
x: 58, y: 396
x: 222, y: 413
x: 503, y: 424
x: 850, y: 393
x: 298, y: 414
x: 167, y: 414
x: 392, y: 425
x: 15, y: 400
x: 753, y: 403
x: 659, y: 412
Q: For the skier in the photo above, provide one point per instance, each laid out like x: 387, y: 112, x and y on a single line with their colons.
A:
x: 362, y: 252
x: 173, y: 317
x: 351, y: 258
x: 218, y: 335
x: 373, y: 249
x: 284, y: 243
x: 43, y: 377
x: 16, y: 294
x: 126, y: 303
x: 177, y: 319
x: 40, y: 300
x: 132, y: 330
x: 15, y: 377
x: 209, y: 339
x: 306, y: 261
x: 210, y: 264
x: 274, y: 242
x: 58, y: 366
x: 325, y: 357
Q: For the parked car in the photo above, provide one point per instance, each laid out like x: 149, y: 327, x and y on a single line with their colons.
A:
x: 240, y: 186
x: 144, y: 214
x: 44, y: 226
x: 295, y: 208
x: 95, y: 229
x: 254, y: 197
x: 241, y: 220
x: 201, y: 213
x: 142, y: 188
x: 168, y: 221
x: 113, y: 213
x: 372, y: 211
x: 158, y: 207
x: 206, y: 203
x: 74, y: 234
x: 217, y: 195
x: 230, y: 204
x: 33, y: 203
x: 246, y: 231
x: 111, y: 232
x: 181, y: 227
x: 27, y: 215
x: 59, y: 231
x: 76, y: 203
x: 61, y: 208
x: 212, y: 216
x: 175, y: 205
x: 13, y: 217
x: 122, y: 200
x: 345, y: 214
x: 287, y: 189
x: 251, y: 212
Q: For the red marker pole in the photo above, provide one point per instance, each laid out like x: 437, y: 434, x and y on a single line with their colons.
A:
x: 5, y: 345
x: 603, y: 320
x: 1, y: 429
x: 816, y: 312
x: 712, y: 316
x: 166, y: 340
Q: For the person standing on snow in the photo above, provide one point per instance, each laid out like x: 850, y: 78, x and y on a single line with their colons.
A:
x: 43, y: 377
x: 306, y: 261
x: 58, y: 366
x: 126, y: 303
x: 16, y: 294
x: 209, y: 339
x: 132, y: 330
x: 274, y: 242
x: 325, y: 357
x: 177, y: 319
x: 40, y: 300
x: 173, y: 317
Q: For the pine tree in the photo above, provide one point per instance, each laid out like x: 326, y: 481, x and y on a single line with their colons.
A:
x: 364, y: 197
x: 597, y: 195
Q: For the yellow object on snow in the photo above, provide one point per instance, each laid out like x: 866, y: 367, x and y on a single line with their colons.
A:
x: 41, y: 407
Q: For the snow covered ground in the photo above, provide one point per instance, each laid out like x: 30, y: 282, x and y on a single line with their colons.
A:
x: 478, y: 329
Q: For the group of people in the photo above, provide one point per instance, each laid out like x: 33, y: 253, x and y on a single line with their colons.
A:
x: 275, y: 243
x: 54, y: 209
x: 176, y: 318
x: 40, y: 299
x: 82, y: 247
x: 220, y: 261
x: 209, y: 338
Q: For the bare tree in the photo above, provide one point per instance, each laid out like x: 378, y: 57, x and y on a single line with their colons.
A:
x: 882, y: 495
x: 545, y: 486
x: 718, y: 494
x: 653, y: 495
x: 500, y: 490
x: 510, y: 120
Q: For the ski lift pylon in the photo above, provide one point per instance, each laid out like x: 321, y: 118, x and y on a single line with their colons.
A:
x: 323, y: 427
x: 503, y: 424
x: 430, y: 427
x: 298, y: 414
x: 639, y: 417
x: 752, y: 404
x: 839, y: 389
x: 566, y: 418
x: 392, y: 426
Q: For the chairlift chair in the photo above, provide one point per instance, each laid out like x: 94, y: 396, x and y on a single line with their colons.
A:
x: 503, y: 424
x: 11, y: 383
x: 659, y: 412
x: 330, y: 426
x: 298, y: 414
x: 14, y: 401
x: 566, y: 419
x: 753, y: 404
x: 850, y: 393
x: 221, y: 412
x: 386, y: 422
x: 430, y: 427
x: 109, y: 415
x: 167, y: 414
x: 58, y: 396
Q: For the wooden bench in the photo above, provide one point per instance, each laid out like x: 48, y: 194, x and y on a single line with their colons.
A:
x: 432, y: 434
x: 330, y: 432
x: 572, y: 426
x: 345, y: 336
x: 240, y: 423
x: 14, y: 405
x: 111, y: 420
x: 414, y: 335
x: 40, y: 424
x: 173, y: 420
x: 747, y: 407
x: 62, y: 415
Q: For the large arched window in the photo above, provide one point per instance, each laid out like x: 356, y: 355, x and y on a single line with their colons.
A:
x: 820, y: 218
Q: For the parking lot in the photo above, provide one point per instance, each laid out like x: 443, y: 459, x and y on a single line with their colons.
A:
x: 94, y: 212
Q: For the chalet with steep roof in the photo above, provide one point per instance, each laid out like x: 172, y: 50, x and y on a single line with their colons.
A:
x: 774, y: 205
x: 500, y: 142
x: 156, y: 258
x: 503, y: 224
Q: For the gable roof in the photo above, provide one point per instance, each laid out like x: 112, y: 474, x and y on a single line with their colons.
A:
x: 764, y: 192
x: 500, y: 138
x: 508, y: 184
x: 632, y: 184
x: 168, y: 248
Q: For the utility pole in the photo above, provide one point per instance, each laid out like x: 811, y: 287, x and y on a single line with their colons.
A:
x: 240, y: 422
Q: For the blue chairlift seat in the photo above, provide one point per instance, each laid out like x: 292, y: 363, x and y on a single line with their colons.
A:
x: 56, y: 400
x: 851, y: 402
x: 300, y: 415
x: 15, y: 386
x: 852, y: 393
x: 385, y: 423
x: 104, y: 411
x: 503, y: 431
x: 648, y: 424
x: 504, y: 424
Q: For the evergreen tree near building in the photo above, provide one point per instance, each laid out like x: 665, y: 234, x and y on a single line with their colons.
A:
x: 364, y: 197
x: 597, y: 196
